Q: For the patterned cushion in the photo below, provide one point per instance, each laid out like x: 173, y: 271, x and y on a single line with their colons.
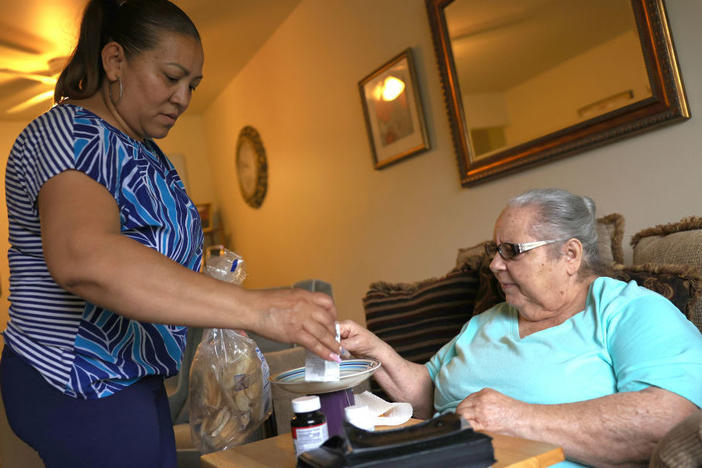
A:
x: 419, y: 318
x: 675, y: 243
x: 681, y: 284
x: 489, y: 290
x: 472, y: 257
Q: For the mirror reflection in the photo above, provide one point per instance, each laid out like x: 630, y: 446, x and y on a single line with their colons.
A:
x: 530, y: 81
x: 528, y: 68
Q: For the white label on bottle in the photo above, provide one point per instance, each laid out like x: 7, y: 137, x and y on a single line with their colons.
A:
x: 310, y: 437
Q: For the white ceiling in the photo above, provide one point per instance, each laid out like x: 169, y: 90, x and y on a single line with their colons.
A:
x: 32, y: 32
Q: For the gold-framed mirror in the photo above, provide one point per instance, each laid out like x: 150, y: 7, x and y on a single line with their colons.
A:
x: 530, y: 81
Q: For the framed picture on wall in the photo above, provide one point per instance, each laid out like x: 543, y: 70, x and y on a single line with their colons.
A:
x: 393, y: 111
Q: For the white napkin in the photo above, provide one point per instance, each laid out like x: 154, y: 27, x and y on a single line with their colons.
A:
x: 383, y: 412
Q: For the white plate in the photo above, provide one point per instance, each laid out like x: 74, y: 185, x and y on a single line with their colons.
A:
x: 351, y: 373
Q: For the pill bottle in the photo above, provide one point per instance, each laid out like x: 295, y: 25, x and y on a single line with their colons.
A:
x: 309, y: 425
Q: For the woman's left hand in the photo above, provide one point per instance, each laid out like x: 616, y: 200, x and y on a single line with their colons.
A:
x: 490, y: 410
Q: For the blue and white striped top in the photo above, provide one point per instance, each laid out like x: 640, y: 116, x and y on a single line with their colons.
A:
x: 81, y: 349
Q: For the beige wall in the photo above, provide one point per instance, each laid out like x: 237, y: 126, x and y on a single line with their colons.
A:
x: 532, y: 116
x: 330, y: 215
x: 190, y: 143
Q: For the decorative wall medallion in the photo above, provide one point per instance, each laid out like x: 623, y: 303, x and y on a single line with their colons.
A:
x: 251, y: 166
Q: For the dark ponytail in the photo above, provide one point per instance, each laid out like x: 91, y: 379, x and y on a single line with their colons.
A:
x: 134, y: 24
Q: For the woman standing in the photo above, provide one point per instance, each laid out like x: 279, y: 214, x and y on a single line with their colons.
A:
x: 106, y: 248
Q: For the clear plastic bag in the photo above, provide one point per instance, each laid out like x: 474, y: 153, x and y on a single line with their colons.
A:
x: 230, y: 394
x: 225, y: 265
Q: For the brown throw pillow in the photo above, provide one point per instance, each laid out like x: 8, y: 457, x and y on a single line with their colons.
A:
x: 675, y: 243
x: 489, y: 292
x: 472, y: 257
x: 417, y: 319
x: 680, y: 284
x: 681, y: 447
x: 610, y: 232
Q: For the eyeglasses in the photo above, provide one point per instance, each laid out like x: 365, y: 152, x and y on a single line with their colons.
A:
x: 509, y: 250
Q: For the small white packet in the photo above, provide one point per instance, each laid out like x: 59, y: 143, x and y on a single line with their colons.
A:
x: 321, y: 370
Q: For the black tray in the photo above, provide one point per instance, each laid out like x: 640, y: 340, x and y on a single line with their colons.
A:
x: 447, y: 440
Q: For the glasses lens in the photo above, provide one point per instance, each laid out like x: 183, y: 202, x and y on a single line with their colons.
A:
x: 490, y: 249
x: 507, y: 250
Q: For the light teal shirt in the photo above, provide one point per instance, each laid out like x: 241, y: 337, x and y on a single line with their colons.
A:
x: 627, y: 338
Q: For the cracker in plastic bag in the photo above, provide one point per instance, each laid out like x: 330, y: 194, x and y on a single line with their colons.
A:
x: 230, y: 393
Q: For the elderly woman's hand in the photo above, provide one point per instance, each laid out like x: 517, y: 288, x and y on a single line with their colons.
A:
x: 490, y: 410
x: 359, y: 341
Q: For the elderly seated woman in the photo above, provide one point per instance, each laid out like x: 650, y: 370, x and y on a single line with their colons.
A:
x: 598, y: 366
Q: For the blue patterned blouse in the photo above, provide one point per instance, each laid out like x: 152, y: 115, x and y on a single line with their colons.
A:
x: 81, y: 349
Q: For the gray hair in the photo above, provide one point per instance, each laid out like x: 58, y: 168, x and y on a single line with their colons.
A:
x: 563, y: 215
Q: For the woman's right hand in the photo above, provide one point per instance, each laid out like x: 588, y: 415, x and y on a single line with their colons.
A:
x: 359, y: 341
x: 297, y: 316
